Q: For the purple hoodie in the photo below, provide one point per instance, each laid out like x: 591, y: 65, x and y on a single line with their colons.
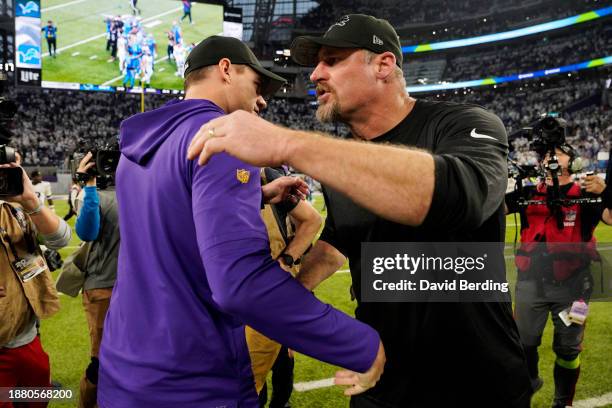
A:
x: 194, y: 267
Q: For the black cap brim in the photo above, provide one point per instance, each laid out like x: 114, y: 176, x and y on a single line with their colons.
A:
x: 305, y: 49
x: 272, y: 82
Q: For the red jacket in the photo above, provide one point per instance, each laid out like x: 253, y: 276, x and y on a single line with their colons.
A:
x: 568, y: 249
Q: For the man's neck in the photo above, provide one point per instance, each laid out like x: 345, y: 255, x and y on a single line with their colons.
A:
x: 203, y: 92
x: 378, y: 118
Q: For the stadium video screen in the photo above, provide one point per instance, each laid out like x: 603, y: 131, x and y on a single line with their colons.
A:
x: 122, y: 43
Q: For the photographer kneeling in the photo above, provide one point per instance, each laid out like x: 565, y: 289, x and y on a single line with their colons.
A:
x: 27, y: 289
x: 558, y: 218
x: 98, y: 223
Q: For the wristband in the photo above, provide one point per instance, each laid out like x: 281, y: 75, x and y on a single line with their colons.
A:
x: 34, y: 211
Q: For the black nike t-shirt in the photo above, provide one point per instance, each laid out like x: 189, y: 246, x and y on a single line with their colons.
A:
x: 441, y: 354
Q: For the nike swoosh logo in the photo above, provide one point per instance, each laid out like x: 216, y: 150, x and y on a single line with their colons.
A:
x: 479, y: 136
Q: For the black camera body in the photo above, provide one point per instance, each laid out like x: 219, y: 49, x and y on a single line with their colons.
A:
x: 548, y: 133
x: 106, y: 160
x: 11, y: 179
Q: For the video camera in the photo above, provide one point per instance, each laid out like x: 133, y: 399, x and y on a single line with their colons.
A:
x: 547, y: 135
x: 11, y: 179
x: 105, y: 157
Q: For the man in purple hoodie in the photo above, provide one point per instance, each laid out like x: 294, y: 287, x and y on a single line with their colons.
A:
x: 195, y: 264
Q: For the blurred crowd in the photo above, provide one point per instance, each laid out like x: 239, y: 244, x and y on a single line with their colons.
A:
x: 540, y: 53
x: 432, y: 21
x: 51, y: 123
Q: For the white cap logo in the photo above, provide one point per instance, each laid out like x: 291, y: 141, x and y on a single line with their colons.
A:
x: 377, y: 41
x: 340, y: 23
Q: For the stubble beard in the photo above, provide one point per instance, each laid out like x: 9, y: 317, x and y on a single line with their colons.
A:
x: 329, y: 112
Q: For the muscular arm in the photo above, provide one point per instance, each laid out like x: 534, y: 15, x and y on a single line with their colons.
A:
x: 307, y: 221
x: 457, y: 186
x: 320, y: 263
x: 404, y: 176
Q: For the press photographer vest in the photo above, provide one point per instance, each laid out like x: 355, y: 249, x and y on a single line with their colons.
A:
x: 36, y: 296
x: 543, y: 240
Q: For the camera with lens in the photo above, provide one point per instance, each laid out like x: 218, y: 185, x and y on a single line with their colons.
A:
x: 11, y: 179
x: 106, y: 159
x: 545, y: 135
x: 548, y: 133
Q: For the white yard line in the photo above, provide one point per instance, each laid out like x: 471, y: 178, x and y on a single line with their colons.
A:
x: 313, y: 385
x: 70, y: 3
x: 121, y: 76
x: 600, y: 401
x: 153, y: 23
x: 95, y: 37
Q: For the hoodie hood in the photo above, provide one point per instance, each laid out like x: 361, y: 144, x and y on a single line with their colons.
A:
x: 142, y: 134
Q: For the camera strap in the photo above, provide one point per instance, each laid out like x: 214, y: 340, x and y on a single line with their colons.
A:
x: 26, y: 227
x: 6, y: 239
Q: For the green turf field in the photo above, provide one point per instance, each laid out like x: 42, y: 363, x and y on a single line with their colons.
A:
x: 81, y: 43
x: 65, y: 337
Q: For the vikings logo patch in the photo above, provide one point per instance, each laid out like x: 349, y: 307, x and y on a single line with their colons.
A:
x: 243, y: 175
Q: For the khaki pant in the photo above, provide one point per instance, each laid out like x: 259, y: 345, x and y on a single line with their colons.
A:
x: 263, y: 352
x: 95, y: 303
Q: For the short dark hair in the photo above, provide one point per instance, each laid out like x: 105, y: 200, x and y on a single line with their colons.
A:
x: 201, y: 73
x: 196, y: 76
x: 36, y: 173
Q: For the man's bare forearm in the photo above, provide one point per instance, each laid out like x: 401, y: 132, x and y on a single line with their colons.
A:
x: 402, y: 179
x: 319, y: 264
x: 308, y: 222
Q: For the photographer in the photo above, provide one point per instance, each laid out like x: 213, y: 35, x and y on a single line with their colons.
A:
x: 292, y: 224
x: 553, y: 262
x: 27, y: 290
x: 97, y: 222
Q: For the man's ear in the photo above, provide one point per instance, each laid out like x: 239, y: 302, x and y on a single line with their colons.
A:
x: 385, y: 65
x: 224, y: 69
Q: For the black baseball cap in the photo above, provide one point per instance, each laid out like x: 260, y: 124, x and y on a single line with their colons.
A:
x: 214, y: 48
x: 350, y: 31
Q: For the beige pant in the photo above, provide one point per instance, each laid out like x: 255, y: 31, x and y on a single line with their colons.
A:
x: 95, y: 303
x: 263, y: 352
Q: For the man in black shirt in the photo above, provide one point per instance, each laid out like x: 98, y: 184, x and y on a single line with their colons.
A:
x: 553, y: 263
x: 415, y: 171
